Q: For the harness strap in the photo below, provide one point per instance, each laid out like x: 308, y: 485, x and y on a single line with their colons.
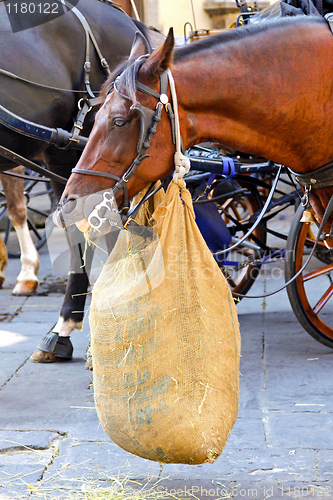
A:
x: 89, y: 36
x: 57, y: 136
x: 20, y: 160
x: 26, y: 177
x: 78, y: 125
x: 146, y: 90
x: 317, y: 179
x: 36, y: 84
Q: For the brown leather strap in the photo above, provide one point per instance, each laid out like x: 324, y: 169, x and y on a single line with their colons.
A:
x: 320, y: 178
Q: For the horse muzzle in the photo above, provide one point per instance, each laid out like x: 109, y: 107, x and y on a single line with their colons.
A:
x: 95, y: 214
x: 69, y: 212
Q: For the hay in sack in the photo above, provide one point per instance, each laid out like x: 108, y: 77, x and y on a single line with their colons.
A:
x: 165, y: 340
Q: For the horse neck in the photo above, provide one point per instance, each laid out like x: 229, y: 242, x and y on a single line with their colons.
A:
x: 244, y: 97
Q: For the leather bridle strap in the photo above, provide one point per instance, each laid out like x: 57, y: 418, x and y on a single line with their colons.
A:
x: 108, y: 176
x: 149, y: 120
x: 95, y: 174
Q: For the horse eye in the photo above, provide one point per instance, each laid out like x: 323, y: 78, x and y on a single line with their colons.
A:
x: 119, y: 123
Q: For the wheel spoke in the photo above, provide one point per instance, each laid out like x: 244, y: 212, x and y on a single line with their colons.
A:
x: 318, y: 272
x: 40, y: 193
x: 4, y: 211
x: 7, y: 231
x: 34, y: 229
x: 39, y: 212
x: 323, y: 300
x: 319, y: 243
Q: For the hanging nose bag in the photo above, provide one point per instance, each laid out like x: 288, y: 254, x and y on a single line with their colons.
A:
x: 165, y: 340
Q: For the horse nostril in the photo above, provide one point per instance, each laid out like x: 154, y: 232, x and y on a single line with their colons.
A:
x: 69, y: 211
x: 70, y: 204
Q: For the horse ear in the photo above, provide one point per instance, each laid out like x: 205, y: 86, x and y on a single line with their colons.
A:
x: 160, y: 60
x: 140, y: 46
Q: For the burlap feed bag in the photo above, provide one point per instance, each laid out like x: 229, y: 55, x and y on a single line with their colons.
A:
x: 165, y: 341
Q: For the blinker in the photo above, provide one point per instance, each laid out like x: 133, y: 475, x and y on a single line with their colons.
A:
x: 146, y: 116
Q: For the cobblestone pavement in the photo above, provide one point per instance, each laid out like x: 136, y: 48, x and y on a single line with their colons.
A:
x: 51, y: 442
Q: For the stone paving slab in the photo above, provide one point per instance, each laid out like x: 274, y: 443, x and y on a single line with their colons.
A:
x: 23, y: 459
x: 25, y: 441
x: 295, y: 431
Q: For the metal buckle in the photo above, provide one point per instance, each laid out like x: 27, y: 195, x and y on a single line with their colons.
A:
x: 80, y: 105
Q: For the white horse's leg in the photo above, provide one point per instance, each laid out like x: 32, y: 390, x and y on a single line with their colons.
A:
x: 27, y: 281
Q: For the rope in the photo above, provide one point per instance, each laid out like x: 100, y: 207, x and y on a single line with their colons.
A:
x: 182, y: 162
x: 135, y: 10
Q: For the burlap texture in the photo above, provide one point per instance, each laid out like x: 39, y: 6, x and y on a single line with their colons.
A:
x: 165, y: 341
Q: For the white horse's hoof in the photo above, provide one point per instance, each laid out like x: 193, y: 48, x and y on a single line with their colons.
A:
x: 26, y: 288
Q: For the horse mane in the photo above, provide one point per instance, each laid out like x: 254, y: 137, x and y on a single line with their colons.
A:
x: 230, y: 35
x: 129, y: 69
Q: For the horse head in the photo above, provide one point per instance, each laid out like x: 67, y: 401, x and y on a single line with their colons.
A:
x: 122, y: 155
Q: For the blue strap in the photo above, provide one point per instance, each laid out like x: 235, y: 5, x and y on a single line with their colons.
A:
x: 228, y: 167
x: 210, y: 179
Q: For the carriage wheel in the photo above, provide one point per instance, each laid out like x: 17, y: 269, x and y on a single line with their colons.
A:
x: 40, y: 204
x: 238, y: 268
x: 311, y: 292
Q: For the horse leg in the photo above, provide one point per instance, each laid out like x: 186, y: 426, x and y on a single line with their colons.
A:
x: 27, y: 281
x: 3, y: 261
x: 57, y: 344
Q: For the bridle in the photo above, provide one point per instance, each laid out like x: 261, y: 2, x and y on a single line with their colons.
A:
x: 149, y: 119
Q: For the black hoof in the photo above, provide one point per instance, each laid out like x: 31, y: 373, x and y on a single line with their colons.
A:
x: 60, y: 347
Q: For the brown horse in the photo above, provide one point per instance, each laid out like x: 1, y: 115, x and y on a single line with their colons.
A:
x: 265, y: 89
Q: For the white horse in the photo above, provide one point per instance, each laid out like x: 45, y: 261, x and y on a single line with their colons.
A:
x: 27, y: 281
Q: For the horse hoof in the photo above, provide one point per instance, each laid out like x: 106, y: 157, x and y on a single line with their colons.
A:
x: 53, y: 348
x: 25, y: 288
x: 39, y: 356
x: 2, y: 279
